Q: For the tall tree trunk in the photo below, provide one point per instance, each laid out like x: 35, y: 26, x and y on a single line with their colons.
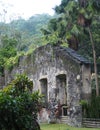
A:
x: 95, y: 65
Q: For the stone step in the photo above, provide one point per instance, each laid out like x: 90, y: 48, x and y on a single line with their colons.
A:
x: 91, y: 123
x: 64, y: 119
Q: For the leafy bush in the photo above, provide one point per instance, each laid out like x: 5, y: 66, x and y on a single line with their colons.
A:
x: 12, y: 61
x: 94, y: 108
x: 91, y: 109
x: 19, y: 106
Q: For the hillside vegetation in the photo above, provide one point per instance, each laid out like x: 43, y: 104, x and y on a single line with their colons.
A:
x: 20, y: 37
x: 26, y: 32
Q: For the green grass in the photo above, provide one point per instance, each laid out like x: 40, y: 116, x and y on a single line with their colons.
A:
x: 62, y: 127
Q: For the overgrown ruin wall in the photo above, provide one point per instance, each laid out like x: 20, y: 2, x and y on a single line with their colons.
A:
x: 57, y: 75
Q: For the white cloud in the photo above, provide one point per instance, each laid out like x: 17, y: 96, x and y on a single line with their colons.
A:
x: 27, y: 8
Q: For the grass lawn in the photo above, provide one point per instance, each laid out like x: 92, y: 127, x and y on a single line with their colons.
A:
x: 62, y: 127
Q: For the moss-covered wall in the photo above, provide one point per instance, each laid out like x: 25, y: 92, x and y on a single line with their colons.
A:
x: 47, y: 63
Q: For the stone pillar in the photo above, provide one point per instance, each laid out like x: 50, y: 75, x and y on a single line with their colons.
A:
x: 86, y: 78
x: 73, y: 102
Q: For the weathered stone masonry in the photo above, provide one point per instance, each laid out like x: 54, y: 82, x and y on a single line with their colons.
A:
x: 59, y: 73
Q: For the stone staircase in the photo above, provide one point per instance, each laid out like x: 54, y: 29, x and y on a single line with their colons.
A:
x: 64, y: 119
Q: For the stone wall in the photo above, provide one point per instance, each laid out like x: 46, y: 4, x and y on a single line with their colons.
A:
x: 59, y: 76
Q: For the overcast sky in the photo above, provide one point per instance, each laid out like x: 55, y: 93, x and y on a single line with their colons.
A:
x: 11, y: 9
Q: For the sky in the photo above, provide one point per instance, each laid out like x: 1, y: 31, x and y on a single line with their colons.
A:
x: 13, y: 9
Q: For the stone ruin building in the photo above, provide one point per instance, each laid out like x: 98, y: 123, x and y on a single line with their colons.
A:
x: 61, y: 75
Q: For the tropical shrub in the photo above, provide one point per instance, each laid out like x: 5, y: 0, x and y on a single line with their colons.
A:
x: 19, y: 106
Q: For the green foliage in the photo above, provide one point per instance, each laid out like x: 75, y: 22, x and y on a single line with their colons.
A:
x: 12, y: 61
x: 7, y: 41
x: 83, y: 103
x: 94, y: 108
x: 20, y: 36
x: 73, y: 20
x: 7, y: 50
x: 1, y: 66
x: 19, y: 106
x: 64, y: 44
x: 91, y: 109
x: 26, y: 32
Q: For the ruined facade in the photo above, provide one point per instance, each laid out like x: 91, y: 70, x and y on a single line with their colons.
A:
x: 60, y: 74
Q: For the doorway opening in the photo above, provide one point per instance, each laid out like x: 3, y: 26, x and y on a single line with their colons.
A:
x: 64, y: 111
x: 44, y: 89
x: 61, y: 93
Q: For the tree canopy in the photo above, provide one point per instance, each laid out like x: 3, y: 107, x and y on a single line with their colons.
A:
x: 20, y: 36
x: 71, y: 26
